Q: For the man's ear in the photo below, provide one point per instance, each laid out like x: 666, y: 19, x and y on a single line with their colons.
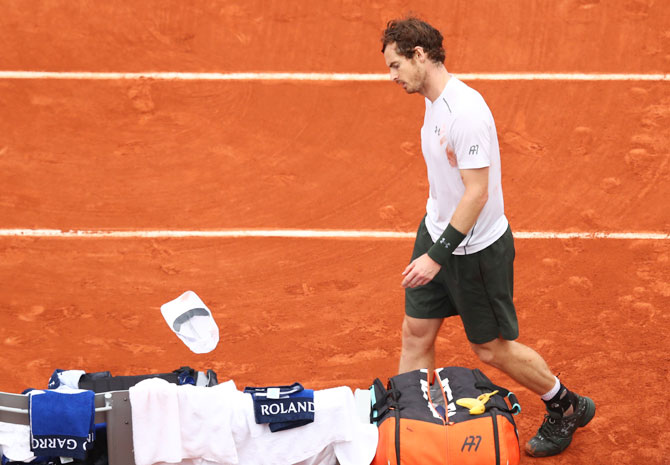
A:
x: 419, y: 54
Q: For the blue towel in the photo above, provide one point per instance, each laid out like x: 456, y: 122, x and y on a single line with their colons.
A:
x: 294, y: 406
x: 61, y: 423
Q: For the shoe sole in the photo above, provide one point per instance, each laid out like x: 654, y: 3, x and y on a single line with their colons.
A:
x: 590, y: 411
x: 588, y: 416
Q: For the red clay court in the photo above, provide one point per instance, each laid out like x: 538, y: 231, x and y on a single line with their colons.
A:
x: 141, y: 157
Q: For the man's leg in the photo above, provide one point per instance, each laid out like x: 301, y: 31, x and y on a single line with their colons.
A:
x: 521, y: 363
x: 566, y: 411
x: 418, y: 343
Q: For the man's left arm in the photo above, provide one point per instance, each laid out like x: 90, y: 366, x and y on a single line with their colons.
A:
x: 476, y: 194
x: 423, y: 269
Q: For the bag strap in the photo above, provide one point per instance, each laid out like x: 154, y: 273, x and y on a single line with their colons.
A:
x: 383, y: 406
x: 382, y: 401
x: 377, y: 392
x: 385, y: 400
x: 515, y: 407
x: 394, y: 394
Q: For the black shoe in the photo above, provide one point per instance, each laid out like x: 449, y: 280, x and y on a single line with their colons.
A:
x: 555, y: 434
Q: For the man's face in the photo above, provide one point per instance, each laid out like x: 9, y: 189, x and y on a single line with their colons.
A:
x: 404, y: 71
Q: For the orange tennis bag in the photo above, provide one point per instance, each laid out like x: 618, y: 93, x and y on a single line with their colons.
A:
x: 424, y: 424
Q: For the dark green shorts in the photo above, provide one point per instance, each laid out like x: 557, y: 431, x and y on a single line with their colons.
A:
x: 478, y: 287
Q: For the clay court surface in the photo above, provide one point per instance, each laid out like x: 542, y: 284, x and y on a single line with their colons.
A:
x: 139, y: 155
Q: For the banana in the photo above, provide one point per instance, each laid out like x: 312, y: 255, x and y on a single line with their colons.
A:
x: 472, y: 404
x: 476, y: 406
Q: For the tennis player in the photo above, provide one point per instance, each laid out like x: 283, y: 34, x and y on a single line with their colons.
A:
x: 462, y: 263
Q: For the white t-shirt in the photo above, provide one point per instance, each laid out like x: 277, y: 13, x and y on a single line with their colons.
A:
x: 459, y: 133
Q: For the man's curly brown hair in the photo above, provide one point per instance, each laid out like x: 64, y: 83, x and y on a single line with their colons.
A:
x: 412, y: 32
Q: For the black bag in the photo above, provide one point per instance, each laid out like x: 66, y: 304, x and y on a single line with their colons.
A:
x: 105, y: 382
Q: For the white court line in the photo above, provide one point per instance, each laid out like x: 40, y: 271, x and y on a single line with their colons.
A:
x: 305, y: 233
x: 323, y: 76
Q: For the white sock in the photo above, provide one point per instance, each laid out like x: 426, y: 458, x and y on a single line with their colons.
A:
x: 549, y: 395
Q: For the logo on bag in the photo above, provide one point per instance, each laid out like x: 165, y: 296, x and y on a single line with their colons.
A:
x: 451, y: 406
x: 470, y: 442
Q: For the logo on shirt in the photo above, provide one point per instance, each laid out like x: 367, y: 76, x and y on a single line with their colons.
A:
x: 473, y: 150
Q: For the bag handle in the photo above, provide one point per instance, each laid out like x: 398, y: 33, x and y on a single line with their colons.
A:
x: 515, y: 407
x: 379, y: 400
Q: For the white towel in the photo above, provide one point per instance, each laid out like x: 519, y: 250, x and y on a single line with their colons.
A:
x: 184, y: 425
x: 360, y: 444
x: 336, y: 425
x: 15, y: 442
x: 363, y: 447
x: 325, y: 457
x: 199, y: 429
x: 155, y: 414
x: 204, y: 418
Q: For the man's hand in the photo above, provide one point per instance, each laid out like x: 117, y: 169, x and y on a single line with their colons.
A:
x: 421, y: 271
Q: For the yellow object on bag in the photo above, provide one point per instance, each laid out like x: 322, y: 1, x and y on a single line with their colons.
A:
x: 477, y: 406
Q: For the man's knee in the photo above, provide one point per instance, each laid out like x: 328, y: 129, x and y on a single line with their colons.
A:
x: 419, y: 335
x: 489, y: 352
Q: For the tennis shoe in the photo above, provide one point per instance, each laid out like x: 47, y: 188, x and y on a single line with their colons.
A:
x: 555, y: 434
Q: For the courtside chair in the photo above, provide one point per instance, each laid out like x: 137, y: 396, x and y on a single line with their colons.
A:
x: 112, y: 408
